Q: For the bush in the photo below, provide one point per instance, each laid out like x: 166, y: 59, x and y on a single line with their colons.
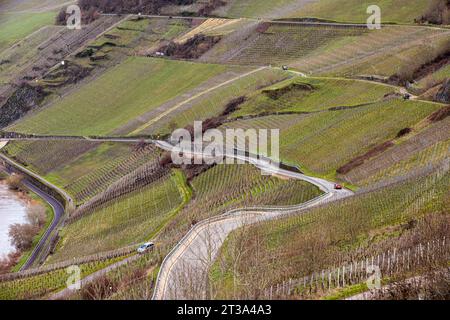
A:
x: 9, y: 261
x: 422, y: 64
x: 438, y: 12
x: 99, y: 289
x: 22, y: 235
x: 36, y: 215
x: 14, y: 182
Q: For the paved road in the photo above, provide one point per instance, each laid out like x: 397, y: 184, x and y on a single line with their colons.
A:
x: 200, y: 246
x: 183, y: 272
x: 58, y: 208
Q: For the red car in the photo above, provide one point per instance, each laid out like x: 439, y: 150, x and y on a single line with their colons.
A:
x: 337, y: 186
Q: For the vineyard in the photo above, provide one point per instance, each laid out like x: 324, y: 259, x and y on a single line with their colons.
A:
x: 272, y: 43
x: 225, y: 187
x: 407, y: 50
x: 355, y: 10
x: 18, y: 26
x: 425, y: 149
x: 19, y: 55
x: 46, y: 156
x: 400, y: 215
x: 150, y: 82
x: 322, y: 142
x: 131, y: 281
x: 40, y: 286
x: 211, y: 27
x: 213, y: 103
x: 353, y: 106
x: 312, y: 94
x: 82, y: 168
x: 129, y: 219
x: 40, y: 53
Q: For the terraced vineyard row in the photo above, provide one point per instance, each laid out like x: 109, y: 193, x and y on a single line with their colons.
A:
x: 225, y: 187
x: 93, y: 182
x: 213, y: 103
x: 272, y: 43
x: 146, y: 174
x: 385, y: 54
x: 423, y: 150
x: 47, y: 156
x: 129, y: 219
x: 36, y: 287
x: 312, y: 94
x: 324, y: 141
x: 330, y: 235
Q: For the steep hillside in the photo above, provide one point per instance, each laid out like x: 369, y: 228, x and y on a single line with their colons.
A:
x: 257, y: 261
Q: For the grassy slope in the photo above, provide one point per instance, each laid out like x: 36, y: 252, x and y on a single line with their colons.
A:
x: 321, y: 142
x: 256, y: 8
x: 29, y: 5
x: 436, y: 77
x: 19, y: 56
x: 297, y: 246
x: 325, y: 93
x: 122, y: 94
x: 41, y: 285
x: 213, y: 103
x: 386, y: 63
x: 17, y: 26
x: 404, y: 11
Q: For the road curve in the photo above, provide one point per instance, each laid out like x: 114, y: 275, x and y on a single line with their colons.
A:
x: 183, y: 272
x: 192, y: 256
x: 58, y: 207
x: 58, y: 210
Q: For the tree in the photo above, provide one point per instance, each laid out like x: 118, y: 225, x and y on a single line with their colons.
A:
x: 36, y: 215
x: 14, y: 182
x: 22, y: 235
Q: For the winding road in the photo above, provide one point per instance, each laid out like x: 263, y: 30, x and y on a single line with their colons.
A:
x: 183, y: 273
x: 58, y: 210
x: 57, y: 207
x: 188, y: 263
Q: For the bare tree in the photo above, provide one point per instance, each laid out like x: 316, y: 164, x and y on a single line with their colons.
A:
x: 14, y: 182
x: 22, y: 235
x: 36, y: 215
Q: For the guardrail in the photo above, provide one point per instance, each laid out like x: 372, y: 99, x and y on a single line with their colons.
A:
x: 63, y: 196
x: 195, y: 229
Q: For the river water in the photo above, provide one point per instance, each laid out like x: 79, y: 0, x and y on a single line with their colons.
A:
x: 12, y: 210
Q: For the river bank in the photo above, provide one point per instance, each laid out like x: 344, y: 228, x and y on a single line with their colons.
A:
x: 27, y: 201
x: 13, y: 209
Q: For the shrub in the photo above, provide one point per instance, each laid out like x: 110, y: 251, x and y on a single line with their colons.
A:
x: 14, y: 182
x: 22, y: 235
x: 36, y: 215
x: 98, y: 289
x: 438, y: 12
